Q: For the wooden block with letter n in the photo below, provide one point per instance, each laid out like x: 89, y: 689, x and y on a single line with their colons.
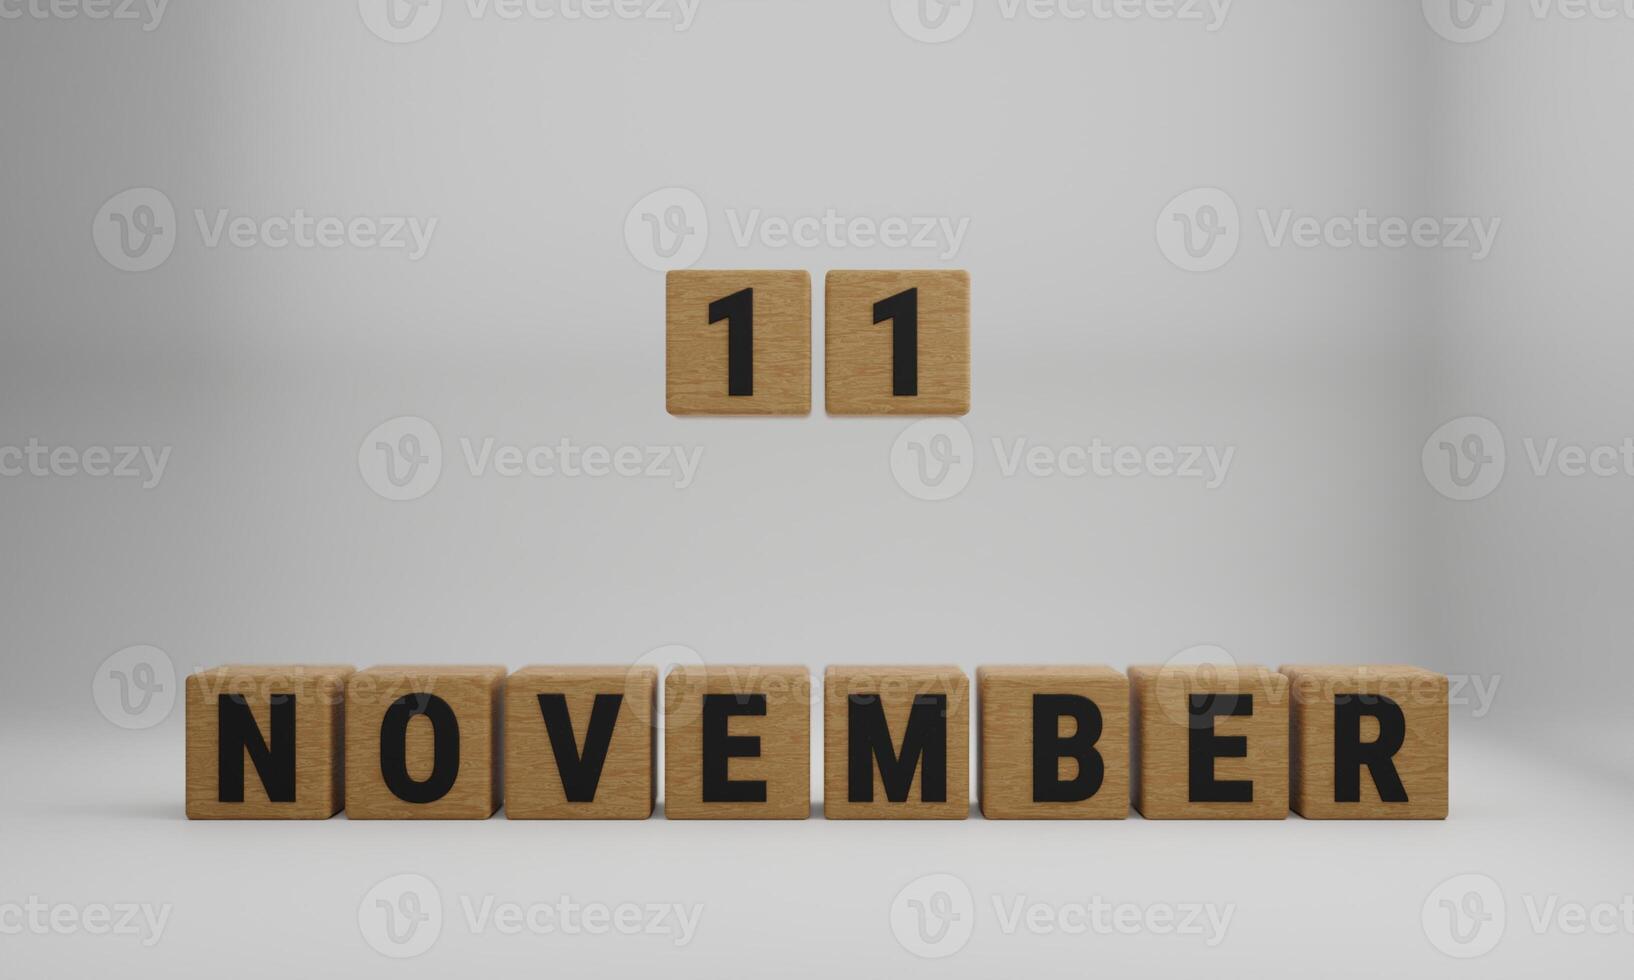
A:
x: 423, y: 743
x: 737, y: 743
x: 265, y: 743
x: 897, y: 342
x: 1210, y: 743
x: 1054, y: 743
x: 896, y: 743
x: 738, y: 342
x: 580, y: 743
x: 1369, y: 743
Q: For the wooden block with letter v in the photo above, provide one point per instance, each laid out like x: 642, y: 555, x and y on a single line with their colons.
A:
x: 1210, y: 742
x: 737, y: 743
x: 580, y: 743
x: 1054, y: 743
x: 423, y: 743
x: 265, y: 743
x: 897, y: 342
x: 1369, y: 743
x: 738, y: 342
x: 896, y: 743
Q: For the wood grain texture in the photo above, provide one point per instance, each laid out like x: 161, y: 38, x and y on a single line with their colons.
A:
x: 697, y: 359
x: 858, y: 353
x: 319, y: 694
x: 533, y: 780
x: 1004, y: 707
x: 474, y: 694
x: 1161, y: 752
x: 896, y: 688
x: 783, y: 759
x: 1421, y: 762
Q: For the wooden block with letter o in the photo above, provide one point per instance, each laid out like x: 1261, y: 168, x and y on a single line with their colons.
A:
x: 896, y: 743
x: 1210, y: 742
x: 580, y: 743
x: 737, y: 743
x: 1054, y: 743
x: 1369, y: 743
x: 738, y: 342
x: 265, y: 743
x: 423, y: 743
x: 897, y: 342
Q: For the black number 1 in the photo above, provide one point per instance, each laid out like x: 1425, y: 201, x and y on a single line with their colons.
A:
x: 903, y: 312
x: 738, y: 310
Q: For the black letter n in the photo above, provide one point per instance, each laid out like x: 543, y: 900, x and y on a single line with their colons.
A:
x: 238, y: 733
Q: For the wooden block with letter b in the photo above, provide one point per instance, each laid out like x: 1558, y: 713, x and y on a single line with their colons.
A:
x: 580, y: 743
x: 896, y: 743
x: 265, y: 743
x: 423, y: 743
x: 1210, y: 742
x: 1054, y: 743
x: 737, y: 743
x: 1369, y: 743
x: 897, y: 342
x: 738, y: 342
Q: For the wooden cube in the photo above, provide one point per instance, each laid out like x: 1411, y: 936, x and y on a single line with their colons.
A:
x: 1211, y: 742
x: 738, y: 342
x: 423, y: 743
x: 897, y: 342
x: 1369, y: 743
x: 896, y: 743
x: 1054, y: 743
x: 737, y: 743
x: 580, y: 743
x: 265, y: 743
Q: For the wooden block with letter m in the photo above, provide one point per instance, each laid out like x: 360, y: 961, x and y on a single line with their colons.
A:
x: 580, y: 743
x: 897, y: 342
x: 896, y: 743
x: 1054, y: 743
x: 738, y: 342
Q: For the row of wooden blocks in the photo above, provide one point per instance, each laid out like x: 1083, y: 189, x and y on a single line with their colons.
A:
x: 738, y: 342
x: 1064, y: 742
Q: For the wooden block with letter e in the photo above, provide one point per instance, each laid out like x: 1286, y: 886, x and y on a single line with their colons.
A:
x: 265, y: 743
x: 423, y: 743
x: 737, y: 743
x: 580, y: 743
x: 896, y: 743
x: 1054, y: 743
x: 1369, y: 743
x: 897, y: 342
x: 1210, y: 742
x: 738, y: 342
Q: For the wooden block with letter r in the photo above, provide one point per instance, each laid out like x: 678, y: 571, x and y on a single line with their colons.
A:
x: 1210, y: 743
x: 738, y: 342
x: 897, y: 342
x: 1054, y: 743
x: 896, y: 743
x: 580, y: 743
x: 423, y: 743
x: 1369, y: 743
x: 737, y: 743
x: 265, y: 743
